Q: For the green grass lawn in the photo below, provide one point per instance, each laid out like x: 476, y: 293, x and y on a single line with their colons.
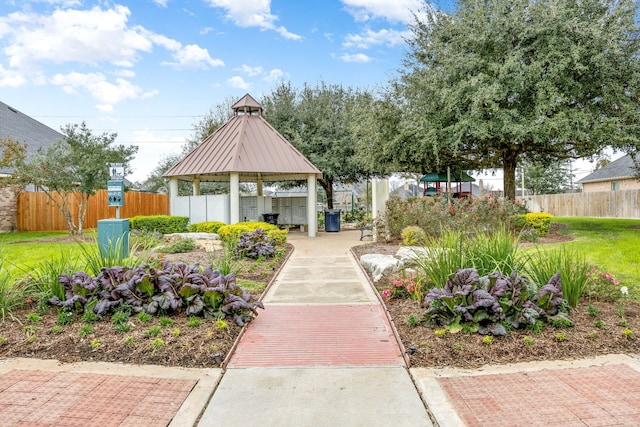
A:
x: 20, y: 252
x: 612, y: 244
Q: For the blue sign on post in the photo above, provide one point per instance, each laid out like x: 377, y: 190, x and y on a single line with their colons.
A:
x: 115, y: 193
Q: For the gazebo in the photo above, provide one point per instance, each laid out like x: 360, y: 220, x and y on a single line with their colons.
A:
x: 245, y: 149
x: 447, y: 178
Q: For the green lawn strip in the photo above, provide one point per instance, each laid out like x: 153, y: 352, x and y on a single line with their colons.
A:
x: 251, y: 285
x: 611, y: 244
x: 25, y: 236
x: 21, y: 253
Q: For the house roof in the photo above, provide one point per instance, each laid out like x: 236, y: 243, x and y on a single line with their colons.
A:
x: 618, y: 169
x: 25, y: 130
x: 246, y: 144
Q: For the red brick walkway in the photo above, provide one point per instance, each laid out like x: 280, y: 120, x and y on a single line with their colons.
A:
x: 590, y: 396
x: 38, y: 398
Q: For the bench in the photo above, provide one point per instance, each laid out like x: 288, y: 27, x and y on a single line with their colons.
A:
x: 365, y: 228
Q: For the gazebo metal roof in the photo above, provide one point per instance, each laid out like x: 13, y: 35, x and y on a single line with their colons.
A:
x: 246, y: 144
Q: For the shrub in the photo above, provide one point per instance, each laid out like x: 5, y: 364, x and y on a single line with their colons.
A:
x: 254, y: 244
x: 178, y: 246
x: 602, y: 286
x: 165, y: 224
x: 539, y: 221
x: 232, y: 232
x: 412, y: 235
x: 277, y: 236
x: 206, y: 227
x: 433, y: 215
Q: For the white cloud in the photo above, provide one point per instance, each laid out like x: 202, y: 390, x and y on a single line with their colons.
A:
x: 11, y: 78
x: 90, y: 37
x: 74, y: 35
x: 275, y: 75
x: 374, y: 38
x: 358, y: 57
x: 193, y: 56
x: 206, y: 30
x: 394, y: 11
x: 125, y: 73
x: 96, y: 84
x: 161, y: 3
x: 104, y: 108
x: 249, y: 70
x: 253, y: 13
x: 238, y: 83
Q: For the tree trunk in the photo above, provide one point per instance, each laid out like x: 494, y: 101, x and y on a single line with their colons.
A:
x: 509, y: 163
x: 327, y: 185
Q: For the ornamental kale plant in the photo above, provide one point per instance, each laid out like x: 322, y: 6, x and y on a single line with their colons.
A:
x: 254, y: 244
x: 486, y: 304
x: 173, y: 288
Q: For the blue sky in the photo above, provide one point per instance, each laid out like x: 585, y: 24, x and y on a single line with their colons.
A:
x: 147, y: 69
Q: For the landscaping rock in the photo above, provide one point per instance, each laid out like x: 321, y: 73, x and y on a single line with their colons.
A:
x: 379, y: 265
x: 194, y: 236
x: 408, y: 254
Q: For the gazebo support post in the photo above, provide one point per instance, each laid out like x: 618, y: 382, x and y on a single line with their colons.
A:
x: 259, y: 185
x: 196, y: 186
x: 173, y: 193
x: 312, y: 217
x: 234, y: 197
x: 379, y: 197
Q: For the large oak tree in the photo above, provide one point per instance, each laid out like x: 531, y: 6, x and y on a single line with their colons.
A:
x: 320, y: 122
x: 499, y: 79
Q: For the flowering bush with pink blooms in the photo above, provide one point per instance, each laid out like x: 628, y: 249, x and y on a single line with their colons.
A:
x: 403, y: 288
x: 434, y: 214
x: 602, y: 286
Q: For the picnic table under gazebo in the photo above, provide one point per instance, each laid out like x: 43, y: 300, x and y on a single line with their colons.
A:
x: 447, y: 178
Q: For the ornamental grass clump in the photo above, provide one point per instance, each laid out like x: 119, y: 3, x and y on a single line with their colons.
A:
x: 574, y: 271
x: 485, y: 250
x: 485, y: 304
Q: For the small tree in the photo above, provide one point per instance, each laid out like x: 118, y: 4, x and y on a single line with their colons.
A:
x: 319, y: 122
x: 542, y: 177
x: 73, y: 169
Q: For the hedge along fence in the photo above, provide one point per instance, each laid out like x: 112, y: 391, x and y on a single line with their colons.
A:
x: 164, y: 224
x: 37, y: 213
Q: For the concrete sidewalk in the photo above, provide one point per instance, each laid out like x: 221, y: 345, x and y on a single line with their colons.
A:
x: 322, y: 354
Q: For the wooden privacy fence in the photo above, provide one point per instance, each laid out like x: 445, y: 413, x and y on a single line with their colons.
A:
x: 37, y: 213
x: 600, y: 204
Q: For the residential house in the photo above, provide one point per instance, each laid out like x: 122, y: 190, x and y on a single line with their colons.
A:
x: 25, y: 130
x: 620, y: 174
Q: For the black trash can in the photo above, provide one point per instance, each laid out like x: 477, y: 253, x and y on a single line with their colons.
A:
x: 271, y: 218
x: 332, y: 220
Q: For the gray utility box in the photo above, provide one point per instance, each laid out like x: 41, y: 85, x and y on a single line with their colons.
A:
x: 113, y: 237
